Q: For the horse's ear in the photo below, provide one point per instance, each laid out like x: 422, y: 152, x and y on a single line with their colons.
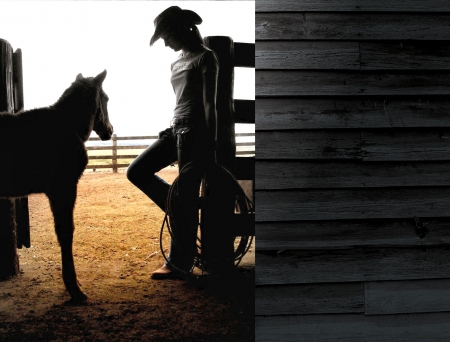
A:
x: 79, y: 77
x: 100, y: 77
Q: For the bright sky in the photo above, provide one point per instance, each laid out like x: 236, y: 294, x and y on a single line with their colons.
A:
x: 60, y: 39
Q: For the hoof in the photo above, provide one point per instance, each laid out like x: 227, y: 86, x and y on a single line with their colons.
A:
x: 78, y: 298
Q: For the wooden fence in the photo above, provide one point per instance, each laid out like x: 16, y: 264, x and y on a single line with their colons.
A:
x: 116, y: 160
x: 352, y: 128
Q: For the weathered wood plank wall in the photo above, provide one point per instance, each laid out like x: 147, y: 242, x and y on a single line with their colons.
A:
x: 352, y: 144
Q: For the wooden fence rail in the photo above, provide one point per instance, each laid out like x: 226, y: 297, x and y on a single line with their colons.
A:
x: 114, y: 157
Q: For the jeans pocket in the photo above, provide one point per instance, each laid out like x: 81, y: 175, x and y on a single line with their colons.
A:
x: 184, y: 136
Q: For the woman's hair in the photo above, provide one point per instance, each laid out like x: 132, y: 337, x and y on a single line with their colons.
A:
x: 188, y: 32
x: 195, y: 34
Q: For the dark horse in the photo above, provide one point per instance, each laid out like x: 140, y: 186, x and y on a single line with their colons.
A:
x: 42, y: 151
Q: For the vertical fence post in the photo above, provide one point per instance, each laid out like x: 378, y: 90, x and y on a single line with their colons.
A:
x: 21, y: 204
x: 217, y: 245
x: 9, y: 260
x: 114, y: 153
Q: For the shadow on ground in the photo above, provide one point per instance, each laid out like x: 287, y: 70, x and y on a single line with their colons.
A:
x: 208, y: 308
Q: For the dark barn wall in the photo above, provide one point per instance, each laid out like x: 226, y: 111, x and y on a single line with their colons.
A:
x: 352, y: 143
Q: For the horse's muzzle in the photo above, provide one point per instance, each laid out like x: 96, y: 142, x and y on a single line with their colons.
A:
x: 106, y: 134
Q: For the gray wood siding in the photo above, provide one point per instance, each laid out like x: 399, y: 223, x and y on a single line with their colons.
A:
x: 352, y: 26
x: 307, y: 174
x: 340, y: 113
x: 349, y: 234
x: 310, y: 299
x: 395, y: 297
x: 352, y: 170
x: 356, y: 265
x: 334, y: 83
x: 437, y: 6
x: 354, y: 328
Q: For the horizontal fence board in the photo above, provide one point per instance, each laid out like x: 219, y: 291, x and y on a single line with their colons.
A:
x: 118, y: 147
x: 245, y: 168
x: 119, y: 156
x: 309, y: 299
x: 141, y: 137
x: 348, y: 83
x: 308, y: 267
x: 324, y: 113
x: 414, y: 296
x: 244, y: 111
x: 374, y: 203
x: 307, y: 55
x: 140, y: 147
x: 426, y: 145
x: 405, y: 55
x: 352, y: 5
x: 405, y: 146
x: 310, y: 235
x: 244, y: 55
x: 151, y: 137
x: 352, y: 26
x: 353, y: 328
x: 308, y: 145
x: 278, y: 175
x: 110, y: 166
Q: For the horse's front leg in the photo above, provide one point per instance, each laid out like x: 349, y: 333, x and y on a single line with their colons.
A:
x: 62, y: 202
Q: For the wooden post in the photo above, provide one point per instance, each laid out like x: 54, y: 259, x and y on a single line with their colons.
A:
x: 218, y: 211
x: 114, y: 153
x: 21, y: 204
x: 9, y: 260
x: 224, y: 49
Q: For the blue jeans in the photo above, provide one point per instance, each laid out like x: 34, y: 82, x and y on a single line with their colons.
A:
x: 183, y: 144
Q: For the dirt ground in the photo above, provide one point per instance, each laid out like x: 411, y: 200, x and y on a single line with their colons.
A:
x: 116, y: 247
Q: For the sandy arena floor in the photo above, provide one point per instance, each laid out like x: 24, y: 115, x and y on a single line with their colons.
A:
x: 116, y: 247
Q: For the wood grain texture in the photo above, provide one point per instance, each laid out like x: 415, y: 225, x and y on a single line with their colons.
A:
x: 308, y: 267
x: 352, y: 55
x: 405, y: 145
x: 334, y: 83
x: 307, y: 55
x: 352, y: 5
x: 354, y: 328
x: 418, y: 55
x: 309, y: 299
x: 323, y: 235
x: 352, y: 26
x: 395, y: 297
x: 380, y: 145
x: 308, y: 145
x: 273, y: 175
x: 341, y: 204
x: 328, y: 113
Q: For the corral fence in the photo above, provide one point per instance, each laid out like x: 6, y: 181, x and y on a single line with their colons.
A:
x: 115, y: 160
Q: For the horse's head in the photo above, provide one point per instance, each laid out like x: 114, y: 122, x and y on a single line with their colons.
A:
x: 102, y: 126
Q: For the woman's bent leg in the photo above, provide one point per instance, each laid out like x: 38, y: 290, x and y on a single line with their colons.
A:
x: 157, y: 156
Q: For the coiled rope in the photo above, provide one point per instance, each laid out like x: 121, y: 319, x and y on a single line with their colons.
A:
x: 173, y: 219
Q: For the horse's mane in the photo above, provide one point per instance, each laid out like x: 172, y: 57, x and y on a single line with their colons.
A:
x: 82, y: 86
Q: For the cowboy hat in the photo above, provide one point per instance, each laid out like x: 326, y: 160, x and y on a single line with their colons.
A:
x: 170, y: 16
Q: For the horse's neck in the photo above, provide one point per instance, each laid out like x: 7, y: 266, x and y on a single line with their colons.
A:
x: 78, y: 121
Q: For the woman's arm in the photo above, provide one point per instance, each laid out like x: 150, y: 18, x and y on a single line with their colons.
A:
x: 209, y: 103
